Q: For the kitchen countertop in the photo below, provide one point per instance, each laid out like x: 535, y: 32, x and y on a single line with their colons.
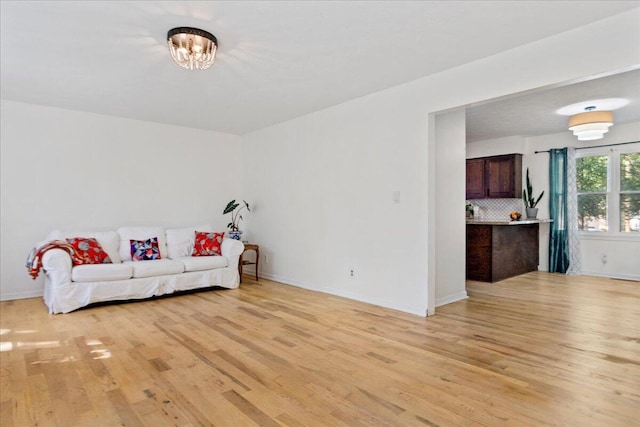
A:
x: 507, y: 222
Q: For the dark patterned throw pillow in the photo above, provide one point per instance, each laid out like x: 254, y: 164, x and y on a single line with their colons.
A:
x: 145, y: 250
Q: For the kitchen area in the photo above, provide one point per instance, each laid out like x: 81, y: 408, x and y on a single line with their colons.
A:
x: 502, y: 241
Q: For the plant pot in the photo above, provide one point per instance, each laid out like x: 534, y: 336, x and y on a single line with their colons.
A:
x: 236, y: 235
x: 532, y: 213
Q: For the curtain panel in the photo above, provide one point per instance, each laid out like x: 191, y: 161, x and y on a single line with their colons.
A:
x: 559, y: 238
x: 575, y: 264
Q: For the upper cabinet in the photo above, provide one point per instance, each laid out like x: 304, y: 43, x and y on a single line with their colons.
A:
x: 475, y: 179
x: 496, y: 177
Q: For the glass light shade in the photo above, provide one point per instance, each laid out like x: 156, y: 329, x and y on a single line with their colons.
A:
x: 591, y: 125
x: 192, y: 48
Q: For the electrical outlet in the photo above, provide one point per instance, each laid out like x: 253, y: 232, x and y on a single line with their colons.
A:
x: 396, y: 197
x: 351, y: 272
x: 266, y: 259
x: 604, y: 258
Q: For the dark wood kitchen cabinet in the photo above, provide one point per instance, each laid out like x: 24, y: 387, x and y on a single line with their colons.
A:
x: 496, y: 177
x: 496, y: 252
x: 475, y: 179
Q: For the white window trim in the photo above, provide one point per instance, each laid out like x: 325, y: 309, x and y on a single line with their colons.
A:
x: 613, y: 194
x: 601, y: 235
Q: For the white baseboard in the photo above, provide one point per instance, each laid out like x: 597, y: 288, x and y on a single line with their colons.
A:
x: 418, y: 311
x: 451, y: 298
x: 634, y: 277
x: 20, y: 295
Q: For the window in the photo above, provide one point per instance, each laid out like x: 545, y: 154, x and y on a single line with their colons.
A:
x: 608, y: 190
x: 630, y: 192
x: 591, y: 182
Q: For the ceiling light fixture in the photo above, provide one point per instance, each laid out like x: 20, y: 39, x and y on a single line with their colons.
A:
x: 192, y: 48
x: 591, y: 124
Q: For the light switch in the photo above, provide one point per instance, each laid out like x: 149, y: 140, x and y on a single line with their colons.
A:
x: 396, y: 197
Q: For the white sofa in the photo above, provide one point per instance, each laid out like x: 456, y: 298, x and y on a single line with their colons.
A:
x: 69, y: 287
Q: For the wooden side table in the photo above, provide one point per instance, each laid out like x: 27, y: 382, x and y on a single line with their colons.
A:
x: 243, y: 262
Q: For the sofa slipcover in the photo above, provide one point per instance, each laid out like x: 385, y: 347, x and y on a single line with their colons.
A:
x: 69, y: 287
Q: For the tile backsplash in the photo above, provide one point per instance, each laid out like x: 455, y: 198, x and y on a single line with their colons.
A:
x: 497, y: 209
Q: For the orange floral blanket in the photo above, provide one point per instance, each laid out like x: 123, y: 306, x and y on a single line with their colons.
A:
x: 34, y: 260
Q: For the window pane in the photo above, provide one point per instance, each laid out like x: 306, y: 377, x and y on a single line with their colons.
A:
x: 591, y: 174
x: 630, y: 172
x: 592, y: 212
x: 630, y: 213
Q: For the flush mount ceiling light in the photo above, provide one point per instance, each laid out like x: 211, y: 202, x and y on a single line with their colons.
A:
x: 592, y: 124
x: 192, y: 48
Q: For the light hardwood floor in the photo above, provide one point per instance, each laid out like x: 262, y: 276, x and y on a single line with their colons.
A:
x: 536, y: 350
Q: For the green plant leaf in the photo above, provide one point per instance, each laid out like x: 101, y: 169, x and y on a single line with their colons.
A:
x: 231, y: 206
x: 529, y: 199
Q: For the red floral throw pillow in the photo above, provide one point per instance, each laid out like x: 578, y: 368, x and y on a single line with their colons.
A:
x: 207, y: 243
x: 88, y: 251
x: 145, y: 250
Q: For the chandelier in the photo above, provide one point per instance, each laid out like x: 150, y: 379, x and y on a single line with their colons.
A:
x: 192, y: 48
x: 591, y: 124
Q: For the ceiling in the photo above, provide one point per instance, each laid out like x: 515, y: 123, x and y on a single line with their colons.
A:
x: 277, y: 60
x: 535, y: 114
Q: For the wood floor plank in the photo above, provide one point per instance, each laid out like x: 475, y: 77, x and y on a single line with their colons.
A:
x: 127, y: 416
x: 7, y: 418
x: 535, y: 350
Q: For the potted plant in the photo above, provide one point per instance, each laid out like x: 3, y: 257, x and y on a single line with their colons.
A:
x: 530, y: 202
x: 234, y: 208
x: 468, y: 209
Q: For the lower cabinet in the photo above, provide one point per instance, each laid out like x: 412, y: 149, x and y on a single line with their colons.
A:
x: 497, y: 252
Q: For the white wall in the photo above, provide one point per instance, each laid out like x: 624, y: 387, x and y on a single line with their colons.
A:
x: 494, y: 147
x: 322, y: 184
x: 449, y: 207
x: 72, y: 170
x: 323, y: 198
x: 623, y: 252
x: 623, y: 257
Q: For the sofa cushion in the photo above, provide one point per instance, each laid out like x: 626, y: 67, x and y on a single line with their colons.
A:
x: 207, y: 243
x: 88, y: 251
x: 145, y: 250
x: 203, y: 262
x: 180, y: 240
x: 140, y: 233
x: 109, y: 240
x: 101, y: 272
x: 156, y: 267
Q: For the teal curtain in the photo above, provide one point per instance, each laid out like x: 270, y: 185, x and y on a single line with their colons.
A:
x: 559, y: 239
